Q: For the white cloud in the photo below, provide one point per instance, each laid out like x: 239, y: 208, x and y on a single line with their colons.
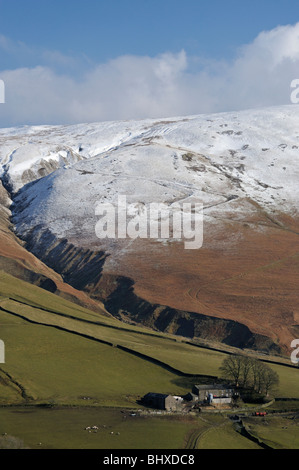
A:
x: 133, y: 87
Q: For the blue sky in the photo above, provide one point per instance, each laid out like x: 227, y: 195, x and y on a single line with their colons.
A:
x: 73, y: 42
x: 99, y: 30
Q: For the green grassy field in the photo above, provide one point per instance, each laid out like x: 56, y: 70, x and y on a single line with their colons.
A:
x: 61, y: 354
x: 279, y: 432
x: 224, y: 436
x: 54, y: 365
x: 65, y: 428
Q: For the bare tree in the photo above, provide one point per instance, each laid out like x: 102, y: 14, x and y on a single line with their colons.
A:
x: 257, y: 375
x: 247, y: 372
x: 231, y: 368
x: 270, y: 379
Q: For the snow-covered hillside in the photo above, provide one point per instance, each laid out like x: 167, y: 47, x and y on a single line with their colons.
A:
x: 214, y: 158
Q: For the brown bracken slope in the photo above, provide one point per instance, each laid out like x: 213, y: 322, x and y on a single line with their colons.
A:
x: 248, y: 272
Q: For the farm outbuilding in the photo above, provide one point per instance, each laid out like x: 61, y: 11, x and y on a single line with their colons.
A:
x: 191, y: 397
x: 163, y: 402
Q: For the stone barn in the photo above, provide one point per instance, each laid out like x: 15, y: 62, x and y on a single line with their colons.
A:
x: 161, y: 401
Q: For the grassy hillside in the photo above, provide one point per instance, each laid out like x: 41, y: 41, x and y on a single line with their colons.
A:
x: 57, y: 351
x: 55, y: 366
x: 65, y: 356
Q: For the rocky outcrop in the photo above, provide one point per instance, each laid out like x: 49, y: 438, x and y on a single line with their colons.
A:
x: 40, y: 164
x: 79, y: 267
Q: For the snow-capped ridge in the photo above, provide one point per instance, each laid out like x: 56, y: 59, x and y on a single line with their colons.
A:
x: 211, y: 157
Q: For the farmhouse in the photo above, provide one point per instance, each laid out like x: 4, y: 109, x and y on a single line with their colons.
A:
x: 163, y: 402
x: 214, y: 393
